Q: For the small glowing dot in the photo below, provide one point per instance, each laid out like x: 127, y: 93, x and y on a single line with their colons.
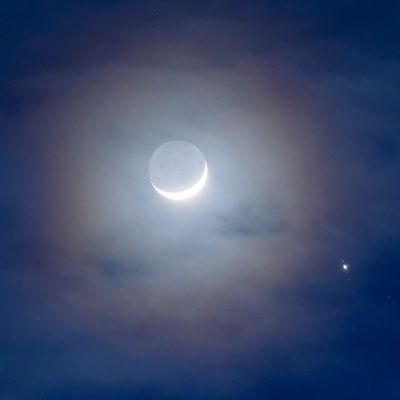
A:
x: 345, y: 267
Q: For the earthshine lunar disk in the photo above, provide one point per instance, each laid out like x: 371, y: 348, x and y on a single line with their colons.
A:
x: 178, y: 170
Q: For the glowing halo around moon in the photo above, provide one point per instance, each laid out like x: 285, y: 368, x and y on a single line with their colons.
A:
x: 178, y: 171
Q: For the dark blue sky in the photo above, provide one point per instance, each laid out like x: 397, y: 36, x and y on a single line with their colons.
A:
x: 109, y: 292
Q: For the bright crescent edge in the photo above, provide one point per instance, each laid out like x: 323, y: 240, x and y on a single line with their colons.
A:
x: 188, y: 193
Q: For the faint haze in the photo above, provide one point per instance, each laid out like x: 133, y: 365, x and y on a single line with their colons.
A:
x: 303, y: 172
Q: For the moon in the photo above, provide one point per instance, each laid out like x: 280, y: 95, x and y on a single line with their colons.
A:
x: 178, y: 170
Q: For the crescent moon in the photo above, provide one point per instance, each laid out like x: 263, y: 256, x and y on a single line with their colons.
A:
x: 187, y: 193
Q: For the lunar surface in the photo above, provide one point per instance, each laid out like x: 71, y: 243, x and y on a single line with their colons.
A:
x: 178, y: 170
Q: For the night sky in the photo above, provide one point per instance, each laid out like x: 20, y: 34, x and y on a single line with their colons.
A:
x: 109, y: 291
